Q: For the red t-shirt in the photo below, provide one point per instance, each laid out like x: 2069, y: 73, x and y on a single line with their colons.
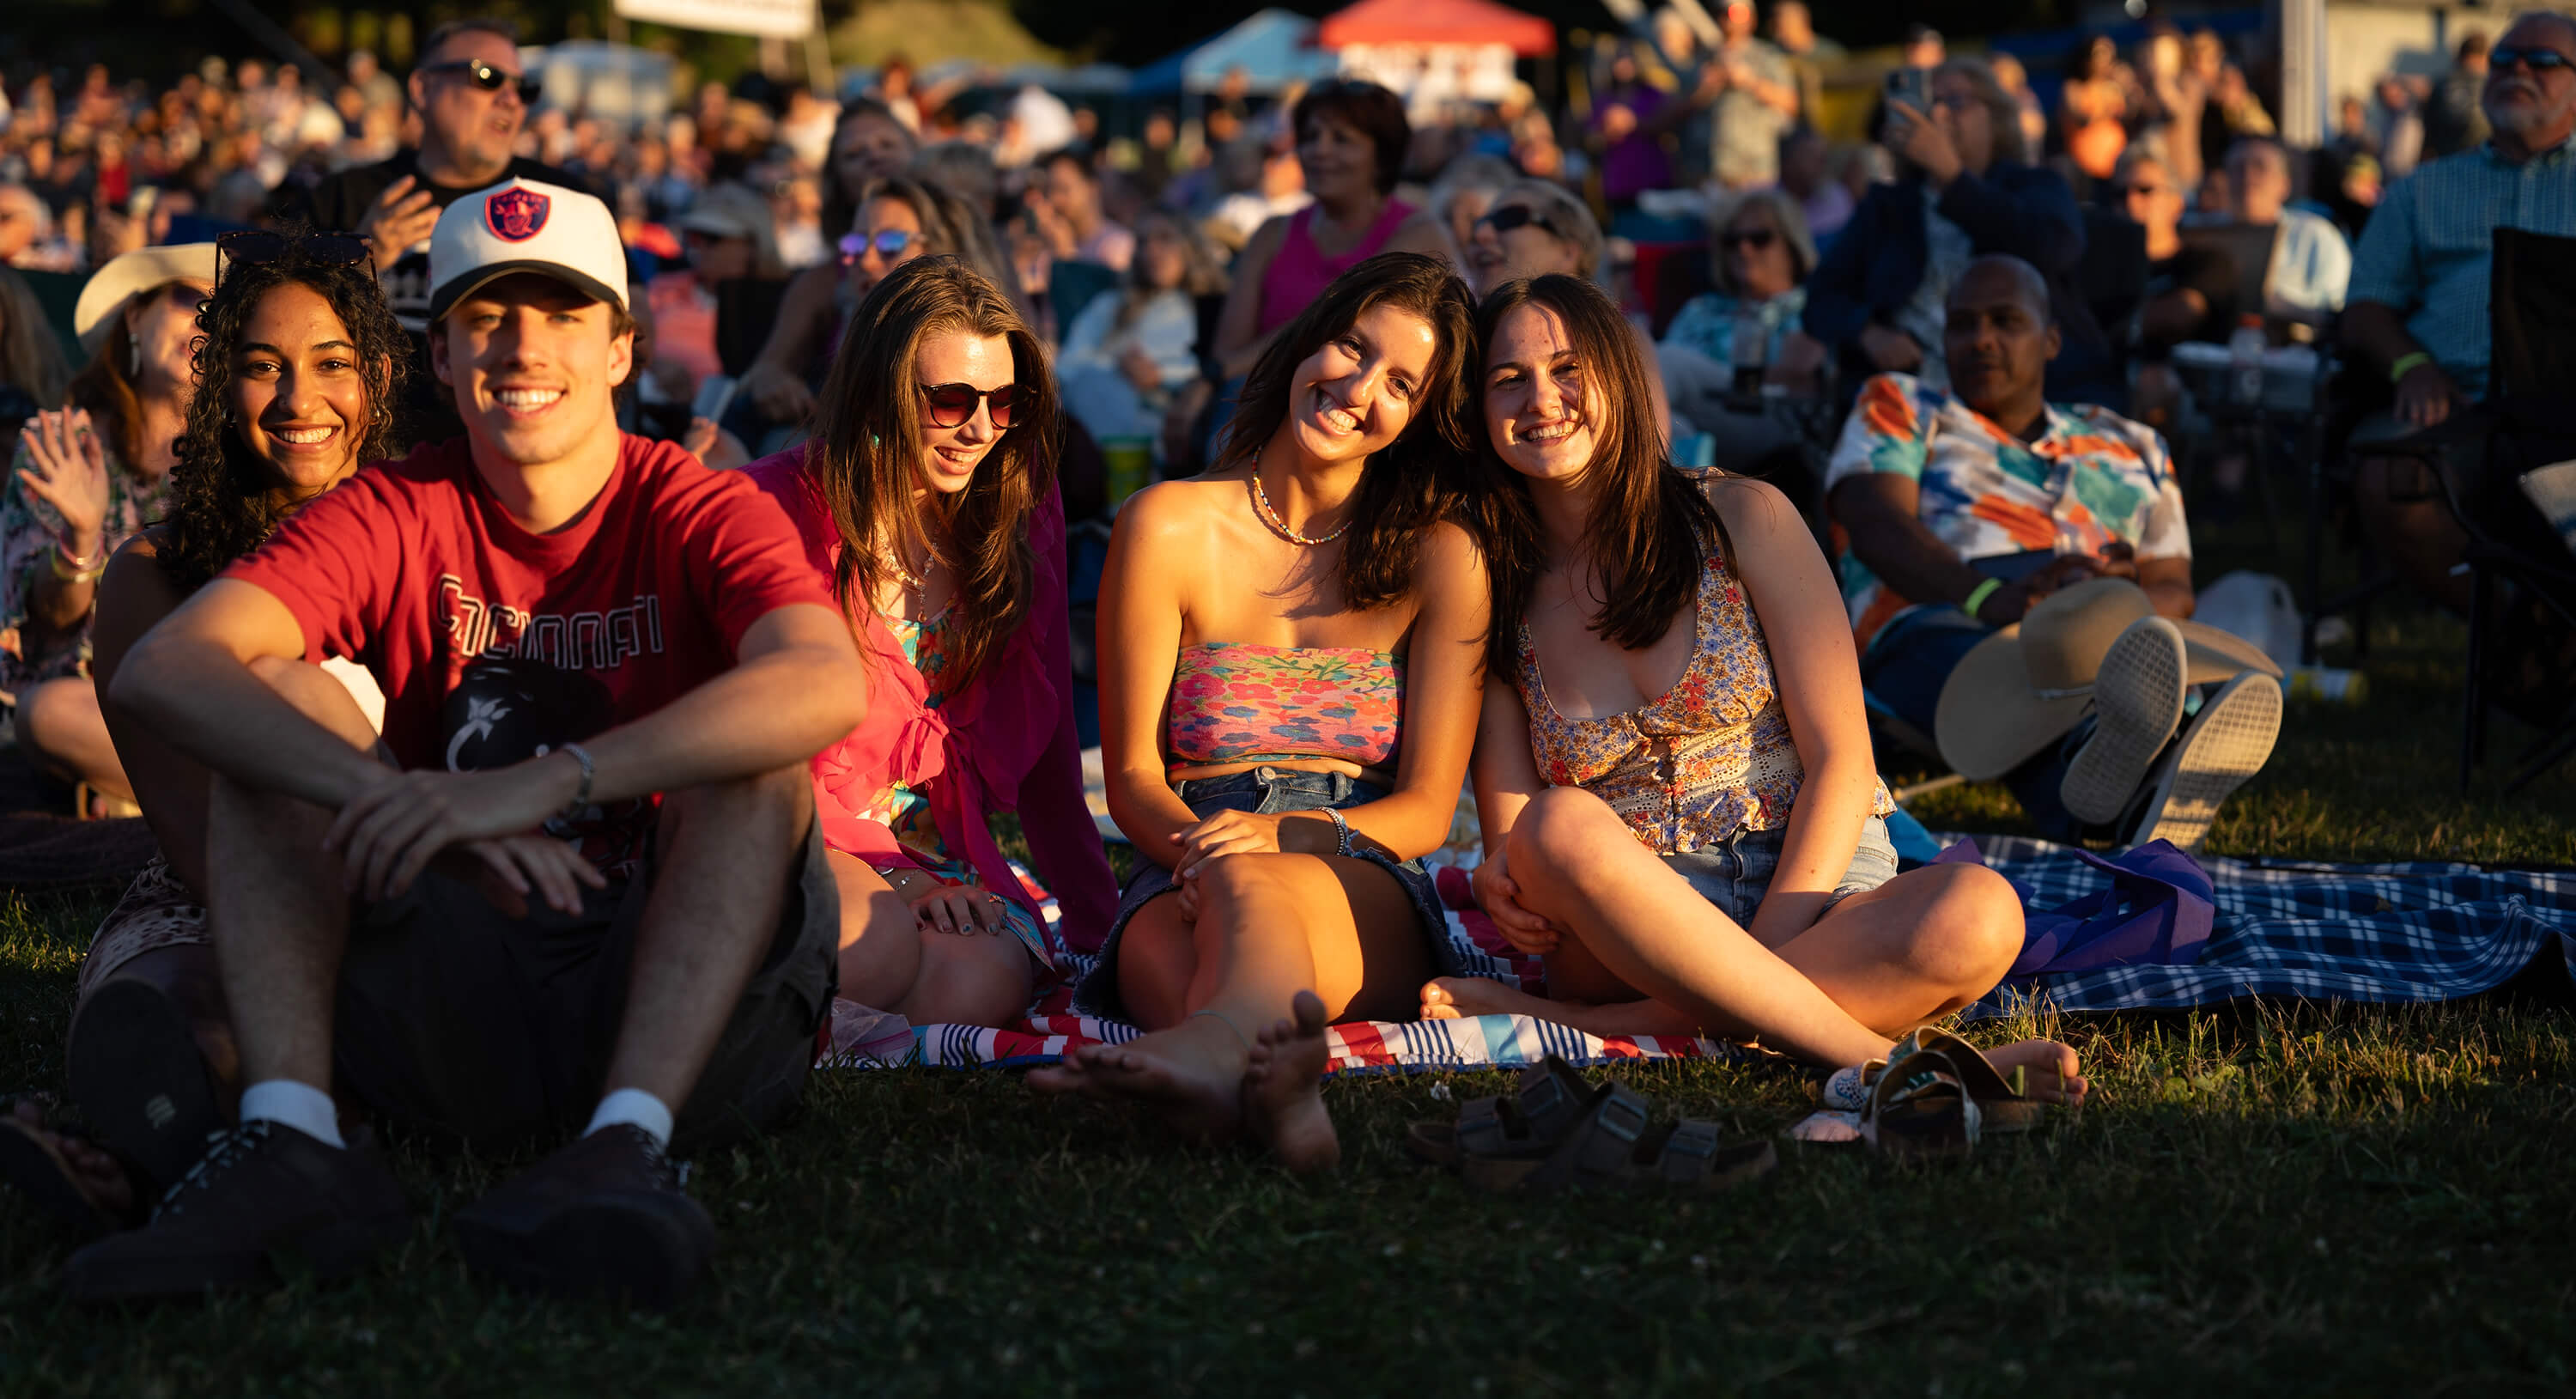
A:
x: 494, y: 644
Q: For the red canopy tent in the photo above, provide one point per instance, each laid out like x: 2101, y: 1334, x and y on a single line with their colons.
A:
x: 1437, y: 22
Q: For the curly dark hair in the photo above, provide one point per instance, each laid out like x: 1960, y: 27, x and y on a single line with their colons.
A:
x: 219, y: 506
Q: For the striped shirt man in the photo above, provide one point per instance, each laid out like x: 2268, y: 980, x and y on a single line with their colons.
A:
x: 2425, y: 253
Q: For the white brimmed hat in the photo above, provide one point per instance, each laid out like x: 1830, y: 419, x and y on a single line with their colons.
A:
x: 526, y: 226
x: 141, y: 270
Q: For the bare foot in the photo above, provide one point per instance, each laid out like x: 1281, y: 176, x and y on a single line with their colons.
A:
x: 1282, y: 1099
x: 1190, y: 1076
x: 1460, y: 997
x: 2051, y: 1078
x: 94, y: 1173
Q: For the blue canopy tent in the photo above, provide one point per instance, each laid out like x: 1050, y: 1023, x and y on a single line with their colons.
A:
x: 1274, y: 48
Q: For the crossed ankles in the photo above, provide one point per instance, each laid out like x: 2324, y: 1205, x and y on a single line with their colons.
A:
x: 1210, y: 1082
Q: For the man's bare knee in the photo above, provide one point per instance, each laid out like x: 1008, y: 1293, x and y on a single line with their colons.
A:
x: 320, y: 698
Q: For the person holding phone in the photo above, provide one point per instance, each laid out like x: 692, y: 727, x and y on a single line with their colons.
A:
x: 1968, y: 506
x: 1965, y: 189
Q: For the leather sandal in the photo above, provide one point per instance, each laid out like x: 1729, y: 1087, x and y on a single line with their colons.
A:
x: 37, y: 1167
x: 1918, y: 1109
x: 1617, y: 1145
x: 2002, y: 1104
x: 1524, y: 1124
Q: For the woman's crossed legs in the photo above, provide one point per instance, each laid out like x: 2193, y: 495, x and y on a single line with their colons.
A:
x: 1318, y: 937
x: 1644, y: 953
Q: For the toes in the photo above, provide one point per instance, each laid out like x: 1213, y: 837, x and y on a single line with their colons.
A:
x: 1433, y: 993
x: 1309, y: 1010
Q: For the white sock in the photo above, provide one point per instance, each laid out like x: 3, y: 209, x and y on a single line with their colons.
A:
x: 636, y: 1107
x: 301, y: 1106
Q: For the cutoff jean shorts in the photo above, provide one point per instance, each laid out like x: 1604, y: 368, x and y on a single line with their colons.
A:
x: 1735, y: 872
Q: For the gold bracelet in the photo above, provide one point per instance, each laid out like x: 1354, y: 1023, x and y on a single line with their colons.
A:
x: 79, y: 571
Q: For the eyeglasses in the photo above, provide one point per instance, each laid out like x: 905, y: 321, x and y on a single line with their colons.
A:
x: 491, y: 79
x: 1754, y: 238
x: 2132, y: 191
x: 890, y: 243
x: 2539, y: 60
x: 1512, y: 216
x: 952, y: 404
x: 251, y: 246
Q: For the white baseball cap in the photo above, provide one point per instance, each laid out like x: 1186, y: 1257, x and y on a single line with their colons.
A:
x: 526, y: 226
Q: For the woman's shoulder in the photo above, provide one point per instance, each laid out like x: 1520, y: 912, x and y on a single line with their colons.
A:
x: 143, y: 545
x: 1187, y: 506
x: 1750, y: 509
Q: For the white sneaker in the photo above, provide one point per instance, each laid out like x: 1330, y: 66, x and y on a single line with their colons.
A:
x: 2137, y: 702
x: 2228, y: 741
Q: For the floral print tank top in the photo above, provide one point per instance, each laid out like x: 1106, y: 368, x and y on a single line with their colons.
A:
x: 903, y: 810
x: 1709, y: 757
x: 1241, y: 702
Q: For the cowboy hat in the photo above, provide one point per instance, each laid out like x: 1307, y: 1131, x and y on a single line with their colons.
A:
x: 2024, y: 687
x: 139, y: 271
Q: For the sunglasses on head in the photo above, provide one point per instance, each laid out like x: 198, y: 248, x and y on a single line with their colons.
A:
x: 1512, y: 216
x: 890, y: 243
x: 491, y: 79
x: 2539, y: 60
x: 1755, y: 238
x: 257, y: 245
x: 952, y: 404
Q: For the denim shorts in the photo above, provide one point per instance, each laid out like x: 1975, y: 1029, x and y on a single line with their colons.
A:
x: 1266, y: 791
x: 1734, y: 873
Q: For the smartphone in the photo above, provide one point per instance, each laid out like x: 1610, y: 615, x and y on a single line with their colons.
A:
x: 1911, y: 86
x: 2012, y: 568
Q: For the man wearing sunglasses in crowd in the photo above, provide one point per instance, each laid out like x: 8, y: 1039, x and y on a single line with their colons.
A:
x: 2417, y: 312
x: 472, y: 97
x: 577, y: 891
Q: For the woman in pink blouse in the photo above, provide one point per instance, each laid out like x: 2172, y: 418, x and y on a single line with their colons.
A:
x: 926, y: 499
x: 1680, y: 808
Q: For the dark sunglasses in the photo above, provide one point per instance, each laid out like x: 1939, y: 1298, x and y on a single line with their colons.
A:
x: 890, y: 243
x: 2504, y: 56
x: 2129, y: 191
x: 952, y: 404
x: 1755, y: 238
x: 491, y: 79
x: 1512, y: 216
x: 251, y: 246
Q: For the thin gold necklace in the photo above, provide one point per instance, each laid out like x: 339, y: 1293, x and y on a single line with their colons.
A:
x: 1278, y: 526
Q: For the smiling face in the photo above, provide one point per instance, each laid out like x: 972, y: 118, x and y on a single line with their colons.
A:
x: 1537, y: 397
x: 1530, y: 249
x: 1759, y: 264
x: 1339, y: 160
x: 298, y: 395
x: 532, y: 363
x: 883, y: 214
x: 475, y: 127
x: 949, y: 455
x: 1357, y: 392
x: 164, y: 326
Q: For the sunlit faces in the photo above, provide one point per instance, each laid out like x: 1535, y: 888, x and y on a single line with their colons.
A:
x: 1512, y: 241
x: 477, y: 125
x: 883, y: 215
x: 1339, y: 159
x: 870, y: 148
x: 1538, y: 397
x: 532, y: 363
x: 298, y: 392
x: 164, y: 327
x: 1357, y: 391
x: 1997, y: 339
x: 949, y: 455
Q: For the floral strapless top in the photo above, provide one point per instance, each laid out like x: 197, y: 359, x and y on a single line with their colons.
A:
x: 1241, y: 702
x: 1709, y: 757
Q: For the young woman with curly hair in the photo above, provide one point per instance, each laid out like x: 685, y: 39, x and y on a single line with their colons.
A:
x: 1291, y: 655
x: 297, y: 363
x: 928, y: 498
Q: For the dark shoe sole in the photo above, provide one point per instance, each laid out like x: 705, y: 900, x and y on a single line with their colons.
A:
x: 140, y: 1079
x: 607, y: 1246
x: 328, y: 1250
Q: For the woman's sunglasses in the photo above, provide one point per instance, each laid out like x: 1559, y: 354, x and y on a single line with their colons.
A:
x: 256, y: 245
x: 491, y: 79
x: 952, y: 404
x: 1754, y: 238
x: 1512, y: 216
x: 890, y: 243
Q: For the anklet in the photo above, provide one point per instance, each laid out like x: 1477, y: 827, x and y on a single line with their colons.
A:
x: 1228, y: 1021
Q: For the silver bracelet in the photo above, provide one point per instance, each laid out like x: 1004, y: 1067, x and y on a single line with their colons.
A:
x: 580, y: 802
x: 1345, y: 849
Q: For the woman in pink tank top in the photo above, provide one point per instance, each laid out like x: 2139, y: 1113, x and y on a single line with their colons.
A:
x: 1351, y: 139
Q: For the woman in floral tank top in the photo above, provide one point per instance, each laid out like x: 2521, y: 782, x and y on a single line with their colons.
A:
x: 1681, y: 812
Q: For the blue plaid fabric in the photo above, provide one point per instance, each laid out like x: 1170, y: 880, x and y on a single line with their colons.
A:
x: 2419, y: 931
x: 2426, y: 250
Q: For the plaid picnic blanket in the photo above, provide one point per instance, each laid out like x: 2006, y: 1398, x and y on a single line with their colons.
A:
x: 2421, y: 931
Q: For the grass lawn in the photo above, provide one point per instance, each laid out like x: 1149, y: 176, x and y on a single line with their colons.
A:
x: 2285, y: 1198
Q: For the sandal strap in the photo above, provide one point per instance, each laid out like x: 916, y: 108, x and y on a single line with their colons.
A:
x: 1481, y: 1128
x: 1547, y: 1102
x: 1604, y: 1144
x: 1689, y: 1154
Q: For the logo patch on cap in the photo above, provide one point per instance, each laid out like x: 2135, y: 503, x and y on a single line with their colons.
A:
x: 516, y: 215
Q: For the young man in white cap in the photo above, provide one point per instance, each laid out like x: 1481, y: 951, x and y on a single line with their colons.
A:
x: 577, y: 888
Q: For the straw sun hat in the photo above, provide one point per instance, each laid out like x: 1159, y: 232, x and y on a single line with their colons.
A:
x: 2024, y: 687
x: 126, y: 274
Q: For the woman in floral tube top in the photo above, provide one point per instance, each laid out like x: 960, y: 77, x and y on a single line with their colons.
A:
x: 1680, y: 808
x: 1291, y: 657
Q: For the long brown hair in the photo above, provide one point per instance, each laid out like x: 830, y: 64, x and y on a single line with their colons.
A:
x: 106, y: 388
x: 864, y: 456
x: 1409, y: 485
x: 1650, y: 525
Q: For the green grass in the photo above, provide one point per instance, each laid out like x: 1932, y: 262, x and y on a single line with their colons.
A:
x: 2285, y: 1198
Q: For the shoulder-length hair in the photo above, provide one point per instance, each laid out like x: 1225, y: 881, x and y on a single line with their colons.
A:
x: 1650, y: 525
x: 1367, y: 108
x: 222, y: 502
x: 31, y: 359
x: 2002, y: 112
x: 1201, y: 273
x: 1414, y: 481
x: 106, y: 387
x: 1786, y: 216
x: 841, y: 203
x: 950, y: 225
x: 865, y: 456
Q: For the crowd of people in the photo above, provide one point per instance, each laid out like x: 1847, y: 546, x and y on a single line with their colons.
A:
x: 518, y: 778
